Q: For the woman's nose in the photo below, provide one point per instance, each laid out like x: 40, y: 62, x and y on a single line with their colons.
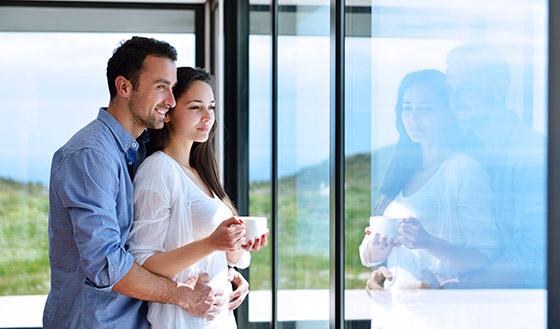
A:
x: 208, y: 115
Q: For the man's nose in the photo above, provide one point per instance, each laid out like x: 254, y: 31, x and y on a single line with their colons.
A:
x: 170, y: 99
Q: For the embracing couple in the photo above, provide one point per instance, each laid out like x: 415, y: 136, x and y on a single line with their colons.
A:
x: 123, y: 230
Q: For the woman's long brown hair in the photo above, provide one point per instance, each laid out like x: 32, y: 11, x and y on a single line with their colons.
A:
x: 202, y: 157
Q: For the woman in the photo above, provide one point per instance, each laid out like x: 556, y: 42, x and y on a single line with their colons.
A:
x: 443, y: 196
x: 184, y: 222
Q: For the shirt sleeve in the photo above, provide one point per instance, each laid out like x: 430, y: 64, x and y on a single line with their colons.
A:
x: 366, y: 250
x: 152, y: 210
x: 526, y: 227
x: 88, y: 190
x: 243, y: 262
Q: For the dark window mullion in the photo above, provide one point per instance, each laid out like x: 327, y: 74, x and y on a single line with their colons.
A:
x: 274, y: 162
x: 336, y: 181
x: 553, y: 312
x: 199, y: 32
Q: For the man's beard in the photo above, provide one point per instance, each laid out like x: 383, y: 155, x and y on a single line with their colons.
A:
x: 149, y: 121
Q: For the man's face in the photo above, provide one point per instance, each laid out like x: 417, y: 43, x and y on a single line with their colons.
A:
x: 153, y: 95
x: 469, y: 93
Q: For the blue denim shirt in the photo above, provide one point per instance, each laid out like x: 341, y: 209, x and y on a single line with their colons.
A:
x: 90, y: 216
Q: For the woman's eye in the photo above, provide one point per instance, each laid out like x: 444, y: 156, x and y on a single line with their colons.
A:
x: 425, y: 109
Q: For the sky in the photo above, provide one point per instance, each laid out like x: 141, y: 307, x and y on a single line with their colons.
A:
x: 52, y: 89
x: 58, y: 83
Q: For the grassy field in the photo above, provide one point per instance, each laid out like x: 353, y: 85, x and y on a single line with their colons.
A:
x: 24, y: 263
x: 303, y: 214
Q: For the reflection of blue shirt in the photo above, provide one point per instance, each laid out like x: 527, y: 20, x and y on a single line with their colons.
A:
x: 515, y: 157
x: 90, y: 217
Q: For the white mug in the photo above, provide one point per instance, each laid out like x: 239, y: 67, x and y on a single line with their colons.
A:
x: 385, y: 226
x: 254, y: 227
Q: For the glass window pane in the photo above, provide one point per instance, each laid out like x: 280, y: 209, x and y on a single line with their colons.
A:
x: 455, y: 164
x: 260, y: 139
x: 303, y: 164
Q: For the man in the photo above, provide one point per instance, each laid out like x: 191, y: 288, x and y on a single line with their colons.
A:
x: 95, y: 282
x: 514, y: 155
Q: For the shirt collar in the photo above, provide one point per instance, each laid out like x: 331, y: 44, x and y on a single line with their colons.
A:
x: 123, y: 137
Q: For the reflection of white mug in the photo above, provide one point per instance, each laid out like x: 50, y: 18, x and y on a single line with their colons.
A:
x: 385, y: 226
x: 254, y: 227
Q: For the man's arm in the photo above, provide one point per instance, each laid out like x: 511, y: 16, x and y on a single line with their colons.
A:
x: 194, y: 296
x: 88, y: 190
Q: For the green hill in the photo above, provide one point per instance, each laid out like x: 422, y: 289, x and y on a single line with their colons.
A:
x: 303, y: 215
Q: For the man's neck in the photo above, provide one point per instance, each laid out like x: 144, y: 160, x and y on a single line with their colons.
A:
x: 121, y: 113
x: 495, y: 127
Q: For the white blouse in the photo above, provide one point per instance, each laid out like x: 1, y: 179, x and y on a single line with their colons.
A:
x: 170, y: 210
x: 455, y: 204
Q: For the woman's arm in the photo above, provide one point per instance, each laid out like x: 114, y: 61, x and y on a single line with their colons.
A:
x: 228, y: 237
x: 412, y: 235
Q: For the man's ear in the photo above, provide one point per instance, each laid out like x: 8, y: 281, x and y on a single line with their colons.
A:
x: 123, y: 86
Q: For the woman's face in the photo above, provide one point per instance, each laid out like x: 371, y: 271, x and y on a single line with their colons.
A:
x: 425, y: 115
x: 193, y: 116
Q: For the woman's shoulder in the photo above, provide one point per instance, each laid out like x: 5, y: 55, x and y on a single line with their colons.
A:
x: 462, y: 167
x: 158, y: 166
x: 462, y: 161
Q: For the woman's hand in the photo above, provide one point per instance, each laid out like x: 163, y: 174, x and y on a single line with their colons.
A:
x: 257, y: 244
x: 382, y: 242
x: 228, y: 236
x: 413, y: 235
x: 375, y: 249
x: 240, y: 289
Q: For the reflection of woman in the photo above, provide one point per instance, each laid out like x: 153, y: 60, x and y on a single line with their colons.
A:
x: 443, y: 195
x: 183, y: 221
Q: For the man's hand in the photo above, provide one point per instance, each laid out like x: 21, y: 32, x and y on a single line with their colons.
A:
x: 375, y: 284
x: 377, y: 278
x: 197, y: 298
x: 240, y: 286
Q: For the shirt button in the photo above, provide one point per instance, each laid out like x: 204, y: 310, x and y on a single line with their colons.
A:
x: 130, y: 163
x: 134, y: 145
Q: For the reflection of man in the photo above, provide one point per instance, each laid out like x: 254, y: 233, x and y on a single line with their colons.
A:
x: 95, y: 282
x: 514, y: 156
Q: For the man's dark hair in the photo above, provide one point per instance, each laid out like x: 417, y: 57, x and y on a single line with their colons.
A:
x: 128, y: 58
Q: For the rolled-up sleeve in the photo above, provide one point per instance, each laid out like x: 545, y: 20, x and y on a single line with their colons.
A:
x: 89, y: 191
